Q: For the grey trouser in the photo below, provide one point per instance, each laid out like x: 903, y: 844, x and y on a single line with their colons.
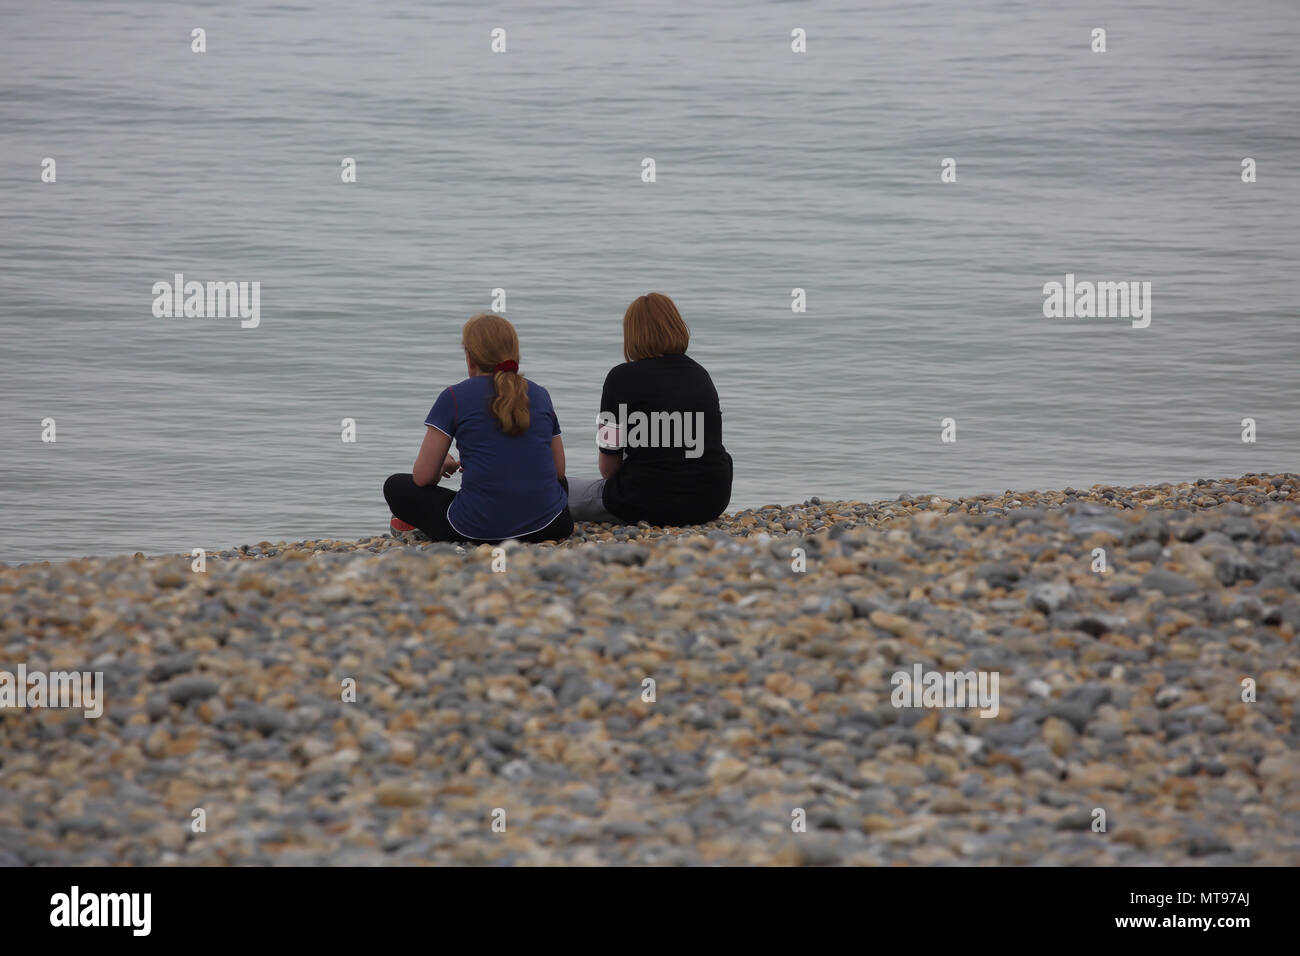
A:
x: 585, y: 500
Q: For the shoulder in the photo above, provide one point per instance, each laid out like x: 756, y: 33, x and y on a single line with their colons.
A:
x: 620, y: 371
x: 461, y: 387
x: 693, y: 367
x: 538, y: 392
x: 453, y: 398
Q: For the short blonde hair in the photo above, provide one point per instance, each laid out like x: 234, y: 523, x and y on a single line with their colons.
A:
x: 652, y: 327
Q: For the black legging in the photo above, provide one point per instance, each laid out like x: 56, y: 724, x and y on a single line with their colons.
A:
x: 425, y: 506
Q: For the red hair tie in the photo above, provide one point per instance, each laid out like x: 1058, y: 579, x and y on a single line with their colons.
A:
x: 509, y: 365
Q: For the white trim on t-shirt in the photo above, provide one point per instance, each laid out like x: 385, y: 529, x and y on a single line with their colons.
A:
x: 473, y: 537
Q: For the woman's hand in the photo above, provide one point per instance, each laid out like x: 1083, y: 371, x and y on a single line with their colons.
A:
x: 450, y: 466
x: 432, y: 451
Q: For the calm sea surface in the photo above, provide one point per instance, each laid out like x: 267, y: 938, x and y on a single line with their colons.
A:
x: 522, y: 171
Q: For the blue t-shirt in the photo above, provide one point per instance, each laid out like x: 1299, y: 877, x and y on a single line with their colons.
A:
x: 508, y: 487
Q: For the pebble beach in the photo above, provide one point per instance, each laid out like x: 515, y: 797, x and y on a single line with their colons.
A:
x: 389, y: 701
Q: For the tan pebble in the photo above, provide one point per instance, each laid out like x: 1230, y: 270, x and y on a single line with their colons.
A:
x: 831, y: 748
x: 800, y: 691
x: 727, y: 770
x: 948, y: 765
x: 71, y: 805
x: 772, y: 702
x: 670, y: 597
x: 1163, y: 836
x: 904, y: 775
x: 405, y: 679
x: 558, y: 614
x: 1279, y: 765
x: 211, y: 710
x: 398, y: 795
x: 895, y: 624
x: 1103, y: 776
x: 877, y: 823
x: 1189, y: 562
x: 182, y: 795
x: 494, y: 605
x: 405, y: 721
x: 927, y: 725
x: 778, y: 683
x: 1134, y: 836
x: 907, y: 836
x: 1095, y: 654
x: 183, y: 746
x: 156, y: 744
x: 679, y: 832
x: 170, y: 836
x: 169, y: 579
x: 870, y: 772
x: 950, y: 803
x: 346, y: 756
x: 740, y: 738
x: 311, y: 749
x: 1058, y: 735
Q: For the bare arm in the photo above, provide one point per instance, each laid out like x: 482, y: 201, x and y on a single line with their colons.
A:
x: 557, y: 452
x: 609, y: 431
x: 610, y: 464
x: 432, y: 459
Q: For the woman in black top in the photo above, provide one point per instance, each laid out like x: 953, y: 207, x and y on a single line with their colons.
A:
x: 659, y: 430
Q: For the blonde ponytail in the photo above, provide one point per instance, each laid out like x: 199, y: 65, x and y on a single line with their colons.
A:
x: 510, y: 402
x: 490, y: 342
